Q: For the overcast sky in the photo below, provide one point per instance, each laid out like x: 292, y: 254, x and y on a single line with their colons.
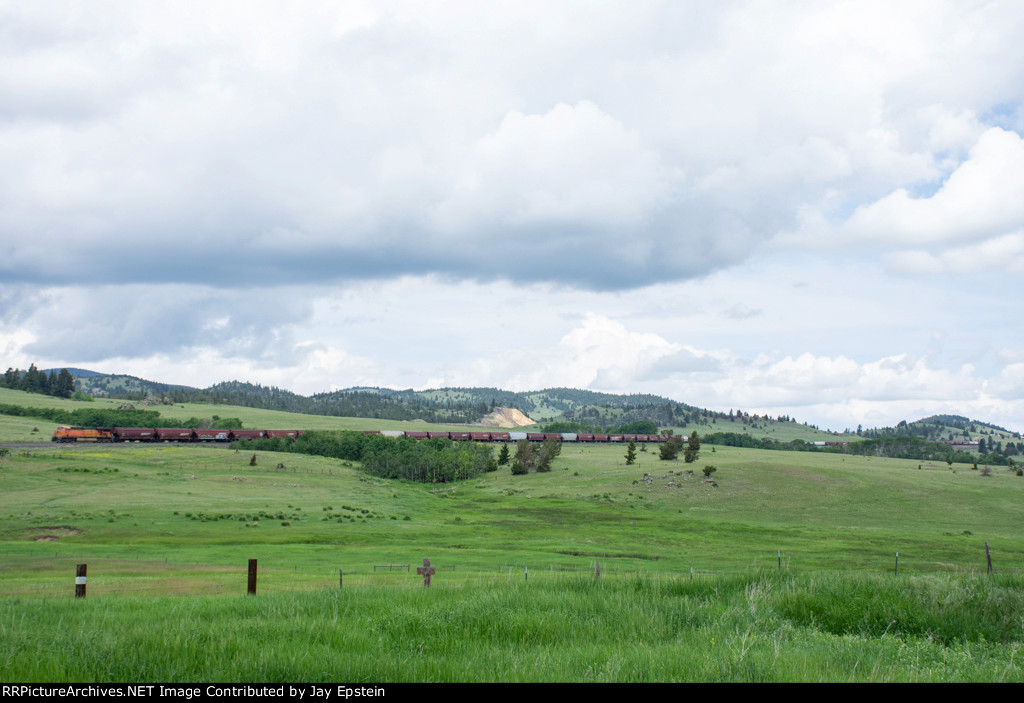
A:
x: 806, y: 208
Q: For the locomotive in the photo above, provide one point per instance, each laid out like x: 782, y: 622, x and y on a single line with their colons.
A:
x: 66, y: 434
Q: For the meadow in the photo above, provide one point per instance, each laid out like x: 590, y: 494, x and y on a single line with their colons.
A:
x: 782, y: 566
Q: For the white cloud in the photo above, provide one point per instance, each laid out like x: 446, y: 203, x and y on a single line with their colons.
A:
x: 573, y: 164
x: 982, y: 198
x: 1004, y: 254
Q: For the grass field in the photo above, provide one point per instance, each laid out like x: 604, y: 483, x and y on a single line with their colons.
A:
x: 167, y: 531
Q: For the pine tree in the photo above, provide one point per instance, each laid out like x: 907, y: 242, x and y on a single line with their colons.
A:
x: 692, y: 448
x: 631, y: 452
x: 65, y: 385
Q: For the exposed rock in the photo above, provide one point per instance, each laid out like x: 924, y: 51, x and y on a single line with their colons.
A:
x: 506, y: 417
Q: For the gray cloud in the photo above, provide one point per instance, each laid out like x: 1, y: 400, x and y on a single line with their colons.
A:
x: 374, y: 143
x: 138, y: 321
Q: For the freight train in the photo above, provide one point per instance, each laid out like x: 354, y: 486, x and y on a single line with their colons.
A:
x: 65, y: 434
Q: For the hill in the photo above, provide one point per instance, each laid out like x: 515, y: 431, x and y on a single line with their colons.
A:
x: 570, y: 408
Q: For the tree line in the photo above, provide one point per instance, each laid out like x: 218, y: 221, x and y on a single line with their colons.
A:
x: 435, y: 460
x: 59, y: 384
x: 110, y: 417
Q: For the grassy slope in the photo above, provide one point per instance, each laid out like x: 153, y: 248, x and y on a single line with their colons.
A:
x: 822, y: 511
x: 126, y: 512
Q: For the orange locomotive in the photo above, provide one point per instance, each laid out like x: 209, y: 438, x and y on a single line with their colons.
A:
x: 83, y: 434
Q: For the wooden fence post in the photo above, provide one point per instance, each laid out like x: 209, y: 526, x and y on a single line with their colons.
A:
x: 988, y: 555
x: 341, y: 581
x: 252, y: 577
x: 80, y: 581
x: 597, y: 570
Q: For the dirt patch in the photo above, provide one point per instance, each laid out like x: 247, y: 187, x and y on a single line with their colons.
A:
x: 506, y: 417
x: 52, y: 534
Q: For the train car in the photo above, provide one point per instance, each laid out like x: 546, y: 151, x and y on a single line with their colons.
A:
x: 248, y: 434
x: 501, y: 437
x: 175, y: 434
x: 417, y: 435
x: 212, y: 435
x: 288, y: 434
x: 134, y: 434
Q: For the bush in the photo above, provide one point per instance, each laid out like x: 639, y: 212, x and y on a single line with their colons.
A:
x: 708, y: 470
x: 669, y: 450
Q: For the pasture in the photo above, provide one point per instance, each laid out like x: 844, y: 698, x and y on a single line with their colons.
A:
x: 166, y: 532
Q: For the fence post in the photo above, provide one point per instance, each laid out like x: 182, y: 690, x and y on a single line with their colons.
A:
x: 597, y: 570
x: 80, y: 581
x: 252, y: 577
x: 341, y: 581
x: 897, y: 564
x: 988, y: 555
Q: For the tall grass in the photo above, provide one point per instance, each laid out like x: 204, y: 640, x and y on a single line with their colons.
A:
x: 756, y: 627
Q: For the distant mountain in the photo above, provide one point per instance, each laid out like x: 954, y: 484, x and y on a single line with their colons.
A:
x: 77, y: 373
x: 444, y: 405
x: 939, y: 428
x: 471, y: 405
x: 122, y: 386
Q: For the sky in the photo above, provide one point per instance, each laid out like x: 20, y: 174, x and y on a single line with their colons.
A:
x: 809, y: 208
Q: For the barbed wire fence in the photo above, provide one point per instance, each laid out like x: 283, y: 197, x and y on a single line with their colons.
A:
x: 114, y: 577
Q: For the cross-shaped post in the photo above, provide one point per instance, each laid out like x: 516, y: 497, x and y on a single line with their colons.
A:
x: 425, y: 571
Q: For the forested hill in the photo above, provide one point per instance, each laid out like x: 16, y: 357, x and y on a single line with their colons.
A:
x: 447, y: 405
x: 585, y: 408
x: 939, y: 428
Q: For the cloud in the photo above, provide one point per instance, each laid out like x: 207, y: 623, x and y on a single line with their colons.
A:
x: 600, y: 354
x: 92, y: 324
x: 575, y: 164
x: 1005, y: 253
x: 982, y: 198
x: 610, y: 150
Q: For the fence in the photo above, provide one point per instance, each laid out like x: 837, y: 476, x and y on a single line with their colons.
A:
x: 65, y: 577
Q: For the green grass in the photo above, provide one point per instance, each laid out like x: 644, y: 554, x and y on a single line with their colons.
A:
x: 755, y: 627
x: 167, y: 531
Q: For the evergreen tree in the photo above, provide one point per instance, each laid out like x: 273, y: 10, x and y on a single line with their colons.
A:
x: 670, y: 448
x: 631, y: 453
x: 65, y: 384
x: 692, y: 448
x: 30, y: 381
